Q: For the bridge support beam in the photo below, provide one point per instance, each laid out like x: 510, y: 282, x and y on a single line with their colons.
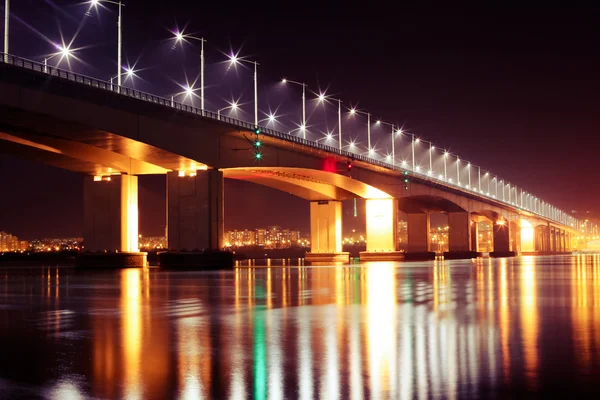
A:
x: 382, y: 217
x: 418, y: 247
x: 111, y: 222
x: 195, y: 211
x: 501, y: 232
x: 326, y: 233
x: 459, y: 236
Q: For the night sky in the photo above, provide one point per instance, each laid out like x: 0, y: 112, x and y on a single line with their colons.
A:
x: 508, y: 86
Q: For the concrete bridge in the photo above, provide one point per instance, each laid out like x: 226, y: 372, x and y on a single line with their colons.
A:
x: 114, y: 134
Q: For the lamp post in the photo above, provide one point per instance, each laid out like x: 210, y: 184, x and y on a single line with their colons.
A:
x: 479, y: 178
x: 180, y: 37
x: 446, y: 166
x: 128, y: 71
x: 458, y: 171
x: 414, y: 140
x: 394, y: 133
x: 233, y: 106
x: 469, y: 175
x: 322, y: 98
x: 235, y: 60
x: 6, y: 20
x: 119, y: 34
x: 62, y: 51
x: 431, y: 148
x: 354, y: 111
x: 303, y: 126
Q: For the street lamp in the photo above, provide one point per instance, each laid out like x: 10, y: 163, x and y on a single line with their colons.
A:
x: 235, y: 60
x: 6, y: 20
x: 63, y: 52
x: 303, y: 126
x: 119, y: 37
x: 233, y: 106
x: 322, y: 99
x: 446, y: 165
x: 354, y: 111
x: 414, y: 141
x: 431, y: 149
x: 394, y: 133
x: 180, y: 37
x: 128, y: 71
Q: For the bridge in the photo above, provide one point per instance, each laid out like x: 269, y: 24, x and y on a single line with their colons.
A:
x: 113, y: 134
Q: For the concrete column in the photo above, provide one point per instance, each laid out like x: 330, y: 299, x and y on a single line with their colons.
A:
x: 195, y: 211
x: 459, y: 235
x: 418, y: 233
x: 552, y: 239
x: 501, y: 236
x: 474, y: 236
x: 381, y: 215
x: 515, y: 237
x: 110, y: 219
x: 326, y: 227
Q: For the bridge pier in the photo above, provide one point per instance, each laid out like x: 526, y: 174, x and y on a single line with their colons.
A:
x: 195, y: 210
x: 195, y: 221
x: 326, y: 232
x: 381, y: 222
x: 459, y: 236
x: 110, y: 222
x: 418, y: 246
x: 501, y: 232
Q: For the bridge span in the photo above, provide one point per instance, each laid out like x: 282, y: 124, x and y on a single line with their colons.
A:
x: 114, y: 134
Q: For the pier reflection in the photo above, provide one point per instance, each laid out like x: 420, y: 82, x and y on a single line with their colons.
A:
x: 379, y: 330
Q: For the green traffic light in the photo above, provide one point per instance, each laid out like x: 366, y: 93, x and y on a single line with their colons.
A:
x: 257, y: 143
x: 257, y: 131
x: 406, y: 181
x: 258, y: 156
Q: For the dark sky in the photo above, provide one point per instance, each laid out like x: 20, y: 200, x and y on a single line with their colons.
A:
x: 509, y: 86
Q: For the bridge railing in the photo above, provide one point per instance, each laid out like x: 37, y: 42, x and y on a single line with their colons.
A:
x: 557, y: 215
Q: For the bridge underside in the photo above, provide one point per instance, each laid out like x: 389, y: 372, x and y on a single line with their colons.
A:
x: 79, y: 148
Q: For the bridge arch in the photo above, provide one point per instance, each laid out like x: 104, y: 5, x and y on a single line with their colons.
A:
x: 309, y: 184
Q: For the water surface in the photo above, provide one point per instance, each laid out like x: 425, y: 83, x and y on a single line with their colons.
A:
x: 499, y: 328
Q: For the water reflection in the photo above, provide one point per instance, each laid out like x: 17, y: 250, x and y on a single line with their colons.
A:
x: 585, y: 277
x: 380, y: 330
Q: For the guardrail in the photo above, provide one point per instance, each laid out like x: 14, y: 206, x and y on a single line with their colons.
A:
x: 17, y: 61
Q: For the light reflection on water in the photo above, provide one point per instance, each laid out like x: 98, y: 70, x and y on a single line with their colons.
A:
x: 379, y: 330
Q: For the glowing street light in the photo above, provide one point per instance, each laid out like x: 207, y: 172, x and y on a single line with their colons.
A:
x: 63, y: 52
x: 179, y: 38
x: 303, y: 126
x: 394, y: 132
x: 95, y: 3
x: 354, y: 111
x: 233, y: 106
x: 322, y: 99
x: 129, y: 72
x: 236, y: 60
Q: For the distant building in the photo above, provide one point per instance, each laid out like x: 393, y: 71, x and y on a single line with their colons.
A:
x: 8, y: 242
x: 273, y: 237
